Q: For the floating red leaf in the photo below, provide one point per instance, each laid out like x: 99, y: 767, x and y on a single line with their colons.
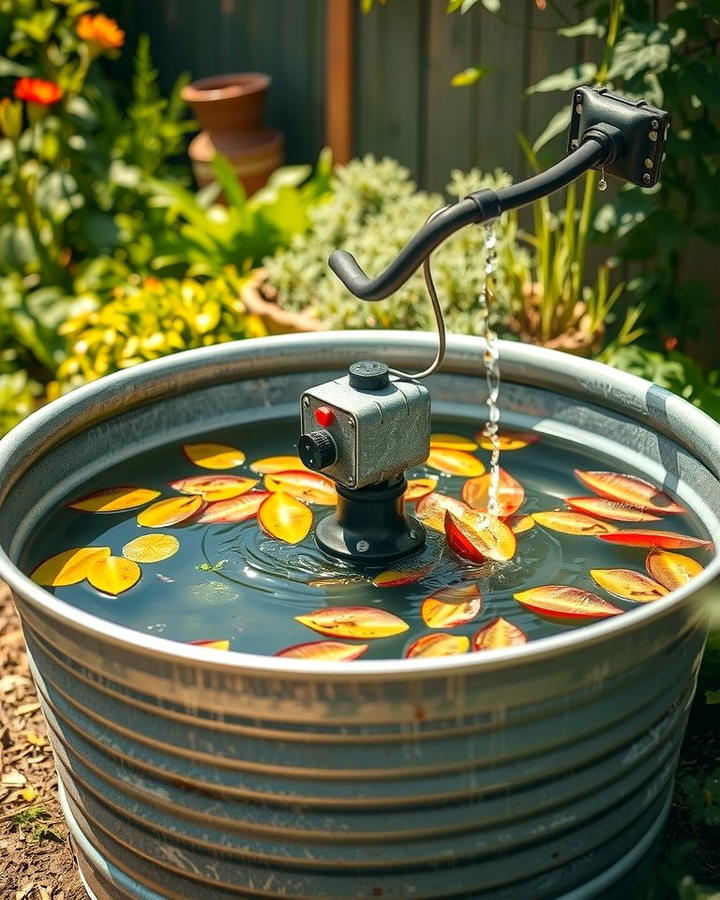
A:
x: 488, y: 538
x: 237, y: 509
x: 628, y: 584
x: 498, y: 634
x: 431, y: 510
x: 398, y: 577
x: 629, y: 489
x: 311, y: 487
x: 666, y: 540
x: 214, y: 487
x: 174, y: 511
x: 561, y: 601
x: 567, y: 522
x: 211, y: 645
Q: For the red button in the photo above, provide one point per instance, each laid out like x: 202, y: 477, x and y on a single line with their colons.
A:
x: 324, y: 416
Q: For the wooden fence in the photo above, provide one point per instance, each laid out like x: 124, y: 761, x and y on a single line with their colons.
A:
x: 405, y: 53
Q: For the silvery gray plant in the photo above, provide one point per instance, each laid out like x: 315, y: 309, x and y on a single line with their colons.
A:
x: 374, y: 210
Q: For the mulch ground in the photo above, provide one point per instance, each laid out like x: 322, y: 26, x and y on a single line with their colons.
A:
x: 36, y: 859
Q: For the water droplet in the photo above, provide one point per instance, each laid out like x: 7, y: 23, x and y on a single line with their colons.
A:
x: 602, y: 184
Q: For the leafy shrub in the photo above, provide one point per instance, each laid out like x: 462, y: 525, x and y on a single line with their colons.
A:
x: 150, y: 318
x: 374, y: 210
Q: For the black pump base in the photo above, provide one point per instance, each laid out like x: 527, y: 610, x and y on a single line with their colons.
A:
x: 371, y: 526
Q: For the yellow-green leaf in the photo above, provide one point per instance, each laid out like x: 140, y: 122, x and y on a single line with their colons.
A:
x: 354, y: 622
x: 151, y: 548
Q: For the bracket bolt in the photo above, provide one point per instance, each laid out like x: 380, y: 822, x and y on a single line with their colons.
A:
x: 654, y: 123
x: 646, y: 178
x: 306, y: 401
x: 574, y: 143
x: 578, y: 108
x: 350, y: 480
x: 653, y: 135
x: 362, y: 546
x: 648, y: 163
x: 351, y: 423
x: 578, y: 97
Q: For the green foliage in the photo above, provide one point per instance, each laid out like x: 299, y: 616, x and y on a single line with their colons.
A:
x: 701, y: 796
x: 149, y: 318
x: 374, y: 210
x: 32, y: 823
x: 207, y: 236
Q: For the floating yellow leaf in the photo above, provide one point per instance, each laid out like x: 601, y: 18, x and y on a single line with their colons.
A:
x: 561, y: 601
x: 452, y: 442
x: 519, y: 524
x: 174, y: 511
x: 114, y: 499
x: 214, y: 456
x: 285, y: 517
x: 398, y: 577
x: 454, y: 462
x: 330, y: 651
x: 432, y: 645
x: 508, y: 440
x: 214, y: 487
x: 271, y: 464
x: 68, y: 567
x: 312, y: 487
x: 452, y: 606
x: 628, y: 584
x: 113, y: 574
x: 237, y: 509
x: 510, y: 493
x: 672, y: 570
x: 212, y: 645
x: 418, y: 488
x: 363, y: 622
x: 629, y: 489
x: 567, y: 522
x: 151, y: 548
x: 498, y: 634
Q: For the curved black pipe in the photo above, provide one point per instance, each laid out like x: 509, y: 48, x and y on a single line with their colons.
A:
x: 596, y: 149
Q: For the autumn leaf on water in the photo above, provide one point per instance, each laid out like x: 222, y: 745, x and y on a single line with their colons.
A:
x: 451, y: 442
x: 430, y: 645
x: 628, y: 584
x: 113, y: 574
x: 237, y: 509
x: 114, y: 499
x: 519, y: 524
x: 212, y: 645
x: 173, y: 511
x: 452, y: 606
x: 362, y: 622
x: 610, y: 509
x: 286, y: 518
x: 508, y: 440
x: 68, y: 567
x: 214, y: 456
x: 561, y: 601
x: 490, y: 538
x: 498, y: 634
x: 454, y: 462
x: 418, y: 488
x: 672, y: 570
x: 398, y: 577
x: 311, y: 487
x: 431, y: 510
x: 629, y: 489
x: 270, y: 464
x: 666, y: 540
x: 567, y: 522
x: 214, y: 487
x: 151, y: 548
x: 328, y: 651
x: 510, y: 495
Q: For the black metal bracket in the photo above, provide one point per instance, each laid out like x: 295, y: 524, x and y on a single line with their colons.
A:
x: 643, y: 130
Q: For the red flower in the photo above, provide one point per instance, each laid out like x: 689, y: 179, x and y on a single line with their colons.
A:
x: 37, y: 90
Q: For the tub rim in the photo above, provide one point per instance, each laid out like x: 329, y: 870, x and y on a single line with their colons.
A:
x: 552, y: 370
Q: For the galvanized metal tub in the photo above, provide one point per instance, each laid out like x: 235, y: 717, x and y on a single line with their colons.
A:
x: 539, y: 771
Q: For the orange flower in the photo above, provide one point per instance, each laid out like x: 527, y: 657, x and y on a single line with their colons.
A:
x: 37, y: 90
x: 100, y: 30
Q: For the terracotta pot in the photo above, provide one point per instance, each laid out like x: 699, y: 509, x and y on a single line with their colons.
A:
x: 260, y: 298
x: 230, y: 109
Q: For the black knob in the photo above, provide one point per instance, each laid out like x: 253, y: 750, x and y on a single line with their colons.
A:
x: 369, y: 376
x: 317, y: 450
